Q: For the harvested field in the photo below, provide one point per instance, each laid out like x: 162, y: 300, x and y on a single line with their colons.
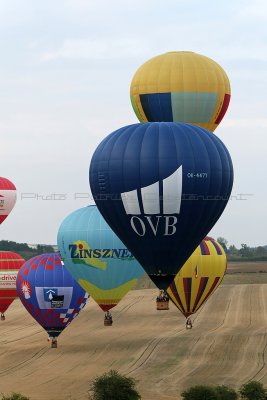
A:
x: 226, y: 346
x: 253, y: 267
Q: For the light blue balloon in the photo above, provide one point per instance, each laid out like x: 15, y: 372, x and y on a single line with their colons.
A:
x: 96, y: 257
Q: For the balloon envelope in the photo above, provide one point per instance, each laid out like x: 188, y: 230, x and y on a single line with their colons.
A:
x: 161, y: 187
x: 199, y: 277
x: 49, y: 293
x: 96, y: 257
x: 181, y: 86
x: 10, y: 264
x: 7, y: 198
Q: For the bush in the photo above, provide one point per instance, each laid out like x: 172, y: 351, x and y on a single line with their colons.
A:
x: 200, y: 393
x: 225, y: 393
x: 113, y: 386
x: 253, y: 390
x: 14, y: 396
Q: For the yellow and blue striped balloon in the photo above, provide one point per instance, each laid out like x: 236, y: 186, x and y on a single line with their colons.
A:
x: 181, y: 86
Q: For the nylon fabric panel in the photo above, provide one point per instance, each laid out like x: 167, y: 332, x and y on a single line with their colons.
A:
x: 136, y: 104
x: 6, y: 184
x: 201, y: 289
x: 193, y: 106
x: 157, y: 106
x: 138, y: 108
x: 107, y: 298
x: 217, y: 200
x: 224, y: 108
x: 176, y: 297
x: 146, y: 106
x: 8, y: 198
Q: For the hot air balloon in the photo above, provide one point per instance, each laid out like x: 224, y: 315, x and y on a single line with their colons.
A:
x: 7, y: 198
x: 97, y: 259
x: 10, y: 264
x: 199, y: 277
x: 49, y: 293
x: 181, y: 86
x: 161, y: 187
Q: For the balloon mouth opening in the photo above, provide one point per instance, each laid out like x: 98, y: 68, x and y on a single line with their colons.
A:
x: 162, y: 281
x: 187, y: 314
x: 107, y: 307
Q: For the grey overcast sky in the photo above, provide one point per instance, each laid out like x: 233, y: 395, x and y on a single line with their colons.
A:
x: 65, y: 74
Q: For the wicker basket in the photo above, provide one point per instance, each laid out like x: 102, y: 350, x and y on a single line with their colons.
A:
x: 162, y: 305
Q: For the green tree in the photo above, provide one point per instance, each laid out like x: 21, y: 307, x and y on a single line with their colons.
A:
x: 260, y: 251
x: 225, y: 393
x: 8, y: 245
x: 223, y: 242
x: 14, y: 396
x: 113, y: 386
x: 253, y: 390
x: 232, y: 250
x: 200, y: 393
x: 245, y: 250
x: 43, y: 248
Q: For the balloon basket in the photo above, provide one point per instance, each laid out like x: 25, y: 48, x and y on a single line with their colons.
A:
x: 108, y: 322
x: 163, y: 305
x: 3, y: 317
x: 188, y: 324
x: 54, y: 343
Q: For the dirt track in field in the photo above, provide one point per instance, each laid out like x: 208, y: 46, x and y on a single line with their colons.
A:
x: 226, y: 346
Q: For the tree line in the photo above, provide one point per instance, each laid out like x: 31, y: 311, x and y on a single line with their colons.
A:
x: 24, y: 250
x: 114, y: 386
x: 245, y: 253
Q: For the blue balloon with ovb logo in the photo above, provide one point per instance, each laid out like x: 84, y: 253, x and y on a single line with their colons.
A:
x: 161, y: 187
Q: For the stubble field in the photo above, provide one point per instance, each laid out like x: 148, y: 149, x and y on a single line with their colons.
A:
x: 227, y: 344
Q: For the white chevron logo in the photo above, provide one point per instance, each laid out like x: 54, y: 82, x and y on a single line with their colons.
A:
x: 172, y: 195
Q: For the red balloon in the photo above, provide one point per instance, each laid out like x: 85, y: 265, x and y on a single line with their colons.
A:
x: 7, y: 198
x: 10, y: 264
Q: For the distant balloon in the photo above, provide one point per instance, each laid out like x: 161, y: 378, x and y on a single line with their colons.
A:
x: 10, y: 264
x: 96, y: 257
x: 49, y: 293
x: 161, y: 187
x: 7, y: 198
x: 199, y: 277
x: 181, y: 86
